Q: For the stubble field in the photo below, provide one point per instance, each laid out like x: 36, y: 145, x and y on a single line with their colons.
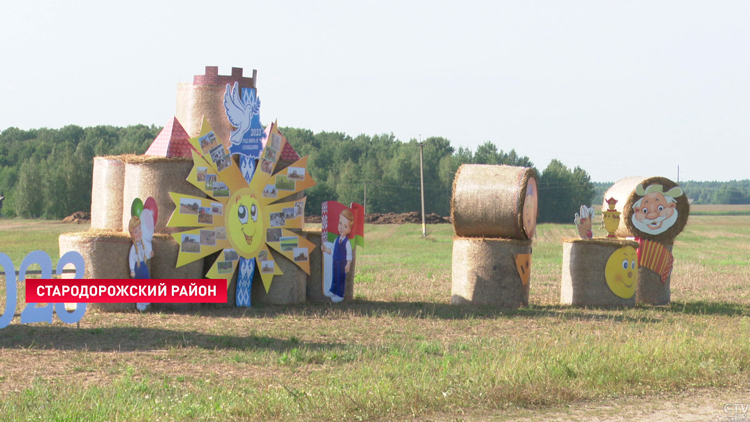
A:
x: 400, y: 351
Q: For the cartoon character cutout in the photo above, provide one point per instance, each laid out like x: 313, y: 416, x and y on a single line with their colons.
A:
x: 656, y: 211
x: 584, y: 222
x: 141, y: 227
x: 621, y: 272
x: 340, y: 251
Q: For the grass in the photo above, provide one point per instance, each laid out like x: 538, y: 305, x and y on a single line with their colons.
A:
x: 400, y: 351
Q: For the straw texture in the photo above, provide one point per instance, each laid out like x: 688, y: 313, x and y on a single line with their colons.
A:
x: 285, y: 289
x: 484, y: 272
x: 624, y: 192
x: 106, y: 256
x: 106, y: 193
x: 583, y: 279
x: 156, y: 176
x: 488, y: 201
x: 196, y: 101
x: 651, y: 290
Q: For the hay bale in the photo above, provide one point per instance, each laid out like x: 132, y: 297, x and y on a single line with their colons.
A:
x: 315, y: 279
x: 105, y: 253
x: 285, y: 289
x: 583, y: 277
x: 156, y: 176
x: 488, y: 201
x: 166, y: 250
x: 484, y: 272
x: 624, y: 191
x: 651, y: 290
x: 106, y: 193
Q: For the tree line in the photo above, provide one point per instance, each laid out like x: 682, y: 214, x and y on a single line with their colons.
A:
x: 732, y: 192
x: 47, y: 173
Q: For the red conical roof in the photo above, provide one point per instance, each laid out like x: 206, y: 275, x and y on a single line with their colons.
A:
x: 172, y: 141
x: 288, y: 153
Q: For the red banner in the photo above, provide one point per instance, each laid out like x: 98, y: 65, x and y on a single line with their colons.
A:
x: 126, y: 291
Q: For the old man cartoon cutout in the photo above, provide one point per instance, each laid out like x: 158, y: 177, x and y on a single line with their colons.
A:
x: 656, y: 211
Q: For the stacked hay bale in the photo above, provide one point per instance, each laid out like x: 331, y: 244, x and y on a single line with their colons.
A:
x: 653, y: 288
x: 117, y: 180
x: 106, y: 193
x: 494, y: 210
x: 584, y: 280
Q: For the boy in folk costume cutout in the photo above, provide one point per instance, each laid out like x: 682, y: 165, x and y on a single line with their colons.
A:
x: 341, y: 256
x: 141, y: 251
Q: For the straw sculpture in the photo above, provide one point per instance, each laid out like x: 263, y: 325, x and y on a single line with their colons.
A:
x: 106, y: 193
x: 485, y: 272
x: 624, y: 191
x: 488, y: 201
x: 156, y: 176
x: 583, y: 278
x: 651, y: 290
x: 105, y: 253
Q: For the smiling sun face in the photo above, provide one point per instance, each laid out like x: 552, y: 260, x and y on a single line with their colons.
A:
x: 621, y: 272
x: 244, y: 222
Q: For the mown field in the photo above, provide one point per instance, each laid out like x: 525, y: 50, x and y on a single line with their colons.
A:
x: 400, y: 351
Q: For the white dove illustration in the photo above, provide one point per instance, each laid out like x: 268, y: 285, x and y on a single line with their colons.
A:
x: 239, y: 111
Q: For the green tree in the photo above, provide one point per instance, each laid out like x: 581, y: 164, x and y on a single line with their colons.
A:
x: 562, y: 192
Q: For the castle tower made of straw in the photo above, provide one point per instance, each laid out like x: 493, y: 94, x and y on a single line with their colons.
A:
x: 204, y: 97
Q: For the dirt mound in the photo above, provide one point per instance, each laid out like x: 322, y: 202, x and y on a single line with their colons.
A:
x: 393, y: 218
x: 78, y: 217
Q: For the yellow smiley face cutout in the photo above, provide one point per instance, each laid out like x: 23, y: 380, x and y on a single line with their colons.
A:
x: 621, y: 272
x: 244, y: 222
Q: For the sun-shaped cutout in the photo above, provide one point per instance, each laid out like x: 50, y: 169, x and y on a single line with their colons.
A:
x: 243, y: 220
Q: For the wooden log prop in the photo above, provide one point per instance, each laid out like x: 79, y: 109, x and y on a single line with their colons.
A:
x: 599, y: 272
x: 492, y: 201
x: 105, y: 253
x: 157, y: 176
x: 653, y: 208
x: 485, y: 272
x: 106, y: 193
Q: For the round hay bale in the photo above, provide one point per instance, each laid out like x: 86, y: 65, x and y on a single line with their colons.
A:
x: 485, y: 273
x: 490, y: 201
x: 156, y: 176
x: 651, y: 290
x: 625, y: 192
x: 584, y: 282
x: 163, y: 263
x: 105, y: 253
x: 106, y: 193
x: 286, y: 289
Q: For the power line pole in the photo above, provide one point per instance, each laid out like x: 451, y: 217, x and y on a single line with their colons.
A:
x: 421, y: 182
x: 365, y: 197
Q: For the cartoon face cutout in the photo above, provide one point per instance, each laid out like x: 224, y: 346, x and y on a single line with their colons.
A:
x: 621, y: 272
x: 244, y: 222
x: 654, y: 213
x: 345, y: 226
x: 530, y: 208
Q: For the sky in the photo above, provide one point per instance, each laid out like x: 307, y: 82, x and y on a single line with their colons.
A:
x: 627, y: 88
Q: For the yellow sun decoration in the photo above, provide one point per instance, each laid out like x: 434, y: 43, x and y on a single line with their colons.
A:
x: 243, y: 220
